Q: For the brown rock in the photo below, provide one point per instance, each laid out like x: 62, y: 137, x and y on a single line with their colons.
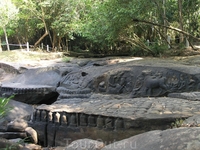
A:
x: 32, y: 147
x: 32, y: 134
x: 17, y: 125
x: 6, y: 144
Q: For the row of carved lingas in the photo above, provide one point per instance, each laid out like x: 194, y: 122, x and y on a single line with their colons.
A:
x: 77, y: 93
x: 79, y: 119
x: 22, y: 90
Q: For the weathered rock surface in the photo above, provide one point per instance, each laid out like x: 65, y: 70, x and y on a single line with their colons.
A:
x: 85, y: 144
x: 108, y: 99
x: 193, y: 121
x: 108, y: 118
x: 18, y: 144
x: 33, y: 86
x: 171, y: 139
x: 17, y: 125
x: 4, y: 143
x: 31, y: 147
x: 19, y: 111
x: 193, y: 96
x: 12, y: 135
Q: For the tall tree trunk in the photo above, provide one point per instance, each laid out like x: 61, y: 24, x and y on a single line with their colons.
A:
x: 0, y: 46
x: 45, y: 27
x: 20, y: 44
x: 6, y: 37
x: 59, y: 44
x: 54, y: 41
x: 40, y: 39
x: 180, y: 2
x: 67, y: 45
x: 164, y: 18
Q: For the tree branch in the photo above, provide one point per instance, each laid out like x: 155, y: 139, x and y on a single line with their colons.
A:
x: 169, y: 27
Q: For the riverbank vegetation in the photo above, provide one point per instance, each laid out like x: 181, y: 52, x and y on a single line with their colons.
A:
x: 108, y: 27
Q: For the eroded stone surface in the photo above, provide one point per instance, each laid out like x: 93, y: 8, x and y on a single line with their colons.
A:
x: 109, y: 98
x: 107, y: 117
x: 194, y: 96
x: 135, y: 108
x: 17, y: 125
x: 33, y: 86
x: 173, y: 139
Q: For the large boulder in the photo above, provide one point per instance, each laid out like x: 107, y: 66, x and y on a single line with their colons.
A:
x: 18, y: 125
x: 20, y: 111
x: 171, y: 139
x: 33, y: 86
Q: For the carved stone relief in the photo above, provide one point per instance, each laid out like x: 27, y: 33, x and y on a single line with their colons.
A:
x: 75, y: 84
x: 115, y: 83
x: 79, y: 119
x: 160, y: 83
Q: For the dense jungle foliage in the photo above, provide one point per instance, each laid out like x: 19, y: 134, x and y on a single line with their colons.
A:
x: 124, y: 27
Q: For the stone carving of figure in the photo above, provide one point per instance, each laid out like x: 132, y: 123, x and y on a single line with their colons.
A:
x: 117, y: 83
x: 151, y: 83
x: 102, y: 86
x: 147, y: 82
x: 75, y: 80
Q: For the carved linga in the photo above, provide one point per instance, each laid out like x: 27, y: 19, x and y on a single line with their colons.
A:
x: 156, y: 83
x: 80, y: 120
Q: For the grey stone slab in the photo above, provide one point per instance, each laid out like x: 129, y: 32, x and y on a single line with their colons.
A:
x: 193, y: 96
x: 145, y: 107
